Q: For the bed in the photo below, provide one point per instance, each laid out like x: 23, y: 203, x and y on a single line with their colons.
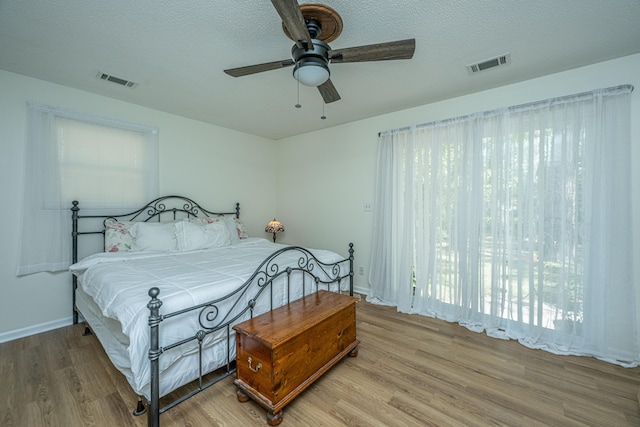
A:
x: 169, y: 280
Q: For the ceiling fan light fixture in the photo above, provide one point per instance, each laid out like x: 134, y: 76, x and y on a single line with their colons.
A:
x: 311, y: 71
x: 312, y: 63
x: 311, y: 27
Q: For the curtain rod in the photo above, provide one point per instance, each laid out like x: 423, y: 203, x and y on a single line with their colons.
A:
x: 614, y: 90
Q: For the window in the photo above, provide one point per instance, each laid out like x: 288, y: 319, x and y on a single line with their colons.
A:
x: 104, y: 166
x: 69, y: 156
x: 516, y: 222
x: 509, y: 220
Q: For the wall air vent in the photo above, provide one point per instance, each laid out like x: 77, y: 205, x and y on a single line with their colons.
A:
x: 489, y: 63
x: 117, y: 80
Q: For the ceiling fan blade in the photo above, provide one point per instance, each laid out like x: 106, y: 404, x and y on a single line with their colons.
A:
x: 401, y: 49
x: 291, y: 15
x: 329, y: 92
x: 259, y: 68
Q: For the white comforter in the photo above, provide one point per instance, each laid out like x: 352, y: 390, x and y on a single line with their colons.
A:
x: 119, y: 284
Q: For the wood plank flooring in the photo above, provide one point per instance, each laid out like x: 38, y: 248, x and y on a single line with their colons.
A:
x: 410, y: 371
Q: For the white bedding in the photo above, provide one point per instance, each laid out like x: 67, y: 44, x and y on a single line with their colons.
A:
x: 119, y: 282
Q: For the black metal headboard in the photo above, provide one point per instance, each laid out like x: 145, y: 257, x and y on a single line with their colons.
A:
x: 168, y: 208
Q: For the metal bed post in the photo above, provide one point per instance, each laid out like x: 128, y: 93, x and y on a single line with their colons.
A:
x: 154, y: 354
x: 351, y: 269
x: 74, y: 256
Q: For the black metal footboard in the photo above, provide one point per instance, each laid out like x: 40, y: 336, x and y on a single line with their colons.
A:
x: 270, y: 278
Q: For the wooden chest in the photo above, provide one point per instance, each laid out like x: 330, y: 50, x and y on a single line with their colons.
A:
x: 281, y: 353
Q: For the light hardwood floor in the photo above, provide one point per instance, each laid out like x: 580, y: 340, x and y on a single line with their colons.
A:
x: 410, y: 371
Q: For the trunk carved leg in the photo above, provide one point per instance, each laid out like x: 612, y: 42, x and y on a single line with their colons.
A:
x: 242, y: 397
x: 274, y: 419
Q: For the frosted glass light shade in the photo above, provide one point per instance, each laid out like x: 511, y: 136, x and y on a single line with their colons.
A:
x: 311, y: 73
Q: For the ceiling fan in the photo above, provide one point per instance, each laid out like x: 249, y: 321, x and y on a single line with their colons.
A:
x: 312, y: 27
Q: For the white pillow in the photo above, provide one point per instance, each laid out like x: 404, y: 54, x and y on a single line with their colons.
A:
x: 192, y: 235
x: 154, y: 236
x: 230, y: 221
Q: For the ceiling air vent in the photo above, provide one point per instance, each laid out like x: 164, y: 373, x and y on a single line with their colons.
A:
x: 117, y: 80
x: 489, y: 63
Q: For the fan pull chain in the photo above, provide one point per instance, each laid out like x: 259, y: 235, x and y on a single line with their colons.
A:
x: 298, y: 104
x: 323, y: 117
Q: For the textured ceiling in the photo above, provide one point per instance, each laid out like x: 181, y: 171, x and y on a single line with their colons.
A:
x: 177, y: 50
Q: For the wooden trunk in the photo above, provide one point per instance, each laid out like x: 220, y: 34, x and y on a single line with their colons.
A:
x: 281, y: 353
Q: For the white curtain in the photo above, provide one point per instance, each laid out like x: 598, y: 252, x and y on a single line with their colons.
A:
x: 516, y: 222
x: 47, y: 194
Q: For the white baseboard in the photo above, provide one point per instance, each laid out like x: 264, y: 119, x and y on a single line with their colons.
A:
x: 35, y: 329
x: 362, y: 291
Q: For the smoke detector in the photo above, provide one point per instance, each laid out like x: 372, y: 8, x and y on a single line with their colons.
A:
x: 498, y: 61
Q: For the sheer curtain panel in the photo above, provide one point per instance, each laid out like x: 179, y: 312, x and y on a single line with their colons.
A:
x: 70, y: 156
x: 516, y: 222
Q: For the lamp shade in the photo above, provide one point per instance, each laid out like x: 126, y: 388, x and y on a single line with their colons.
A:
x: 274, y: 226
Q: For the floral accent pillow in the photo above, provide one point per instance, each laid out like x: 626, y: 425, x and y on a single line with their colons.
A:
x: 117, y: 236
x: 242, y: 230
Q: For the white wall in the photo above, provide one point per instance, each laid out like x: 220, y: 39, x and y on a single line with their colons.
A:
x: 214, y: 166
x: 324, y: 177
